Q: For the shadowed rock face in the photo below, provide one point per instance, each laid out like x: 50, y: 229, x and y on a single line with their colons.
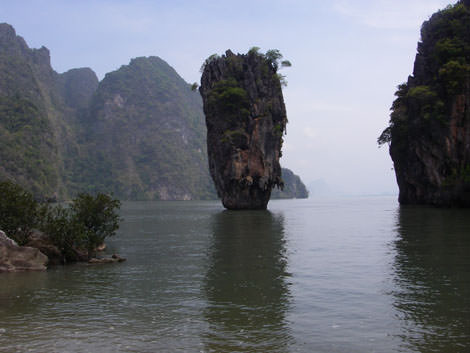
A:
x: 245, y: 118
x: 429, y: 132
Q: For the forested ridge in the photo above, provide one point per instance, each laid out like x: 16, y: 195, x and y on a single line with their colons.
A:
x: 139, y: 133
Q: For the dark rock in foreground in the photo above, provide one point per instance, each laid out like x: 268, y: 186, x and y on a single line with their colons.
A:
x: 245, y: 118
x: 14, y: 258
x: 429, y: 132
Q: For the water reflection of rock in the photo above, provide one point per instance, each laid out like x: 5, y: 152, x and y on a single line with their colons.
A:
x: 246, y: 285
x: 432, y: 267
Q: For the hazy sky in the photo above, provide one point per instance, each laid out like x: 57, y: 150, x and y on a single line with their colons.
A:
x: 347, y: 59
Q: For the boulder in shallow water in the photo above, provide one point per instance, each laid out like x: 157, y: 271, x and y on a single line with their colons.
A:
x: 14, y: 258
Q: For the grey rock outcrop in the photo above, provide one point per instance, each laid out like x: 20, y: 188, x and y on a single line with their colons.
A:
x: 43, y: 243
x: 246, y: 119
x: 14, y: 258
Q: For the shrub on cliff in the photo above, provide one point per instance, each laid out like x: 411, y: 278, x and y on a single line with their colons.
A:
x: 441, y: 73
x: 229, y: 99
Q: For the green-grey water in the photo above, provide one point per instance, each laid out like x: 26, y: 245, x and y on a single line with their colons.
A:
x: 343, y: 275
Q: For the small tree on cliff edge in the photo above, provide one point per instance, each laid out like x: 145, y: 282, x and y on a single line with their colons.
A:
x: 274, y: 57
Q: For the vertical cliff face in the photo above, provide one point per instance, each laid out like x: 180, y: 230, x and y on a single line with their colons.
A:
x: 77, y: 86
x: 245, y: 118
x: 28, y: 140
x: 429, y: 132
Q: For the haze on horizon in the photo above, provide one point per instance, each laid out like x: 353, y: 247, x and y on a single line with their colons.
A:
x: 347, y: 59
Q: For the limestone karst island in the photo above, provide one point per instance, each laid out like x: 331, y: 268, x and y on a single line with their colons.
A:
x: 245, y: 118
x: 429, y: 132
x: 138, y: 134
x: 142, y: 212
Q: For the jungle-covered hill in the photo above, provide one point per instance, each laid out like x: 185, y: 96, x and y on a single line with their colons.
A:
x: 139, y: 133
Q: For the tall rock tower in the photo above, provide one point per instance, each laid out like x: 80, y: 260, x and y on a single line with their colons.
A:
x: 246, y: 119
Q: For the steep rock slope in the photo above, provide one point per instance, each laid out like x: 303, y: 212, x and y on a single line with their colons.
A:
x: 429, y: 132
x: 77, y: 87
x: 33, y: 132
x: 140, y: 133
x: 145, y: 135
x: 61, y: 134
x: 245, y: 118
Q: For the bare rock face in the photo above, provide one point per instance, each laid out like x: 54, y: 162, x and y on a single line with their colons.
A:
x: 44, y: 244
x: 245, y: 118
x: 15, y: 258
x: 429, y: 132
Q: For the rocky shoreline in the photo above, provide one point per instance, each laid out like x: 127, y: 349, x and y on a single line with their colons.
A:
x: 39, y: 254
x: 14, y: 258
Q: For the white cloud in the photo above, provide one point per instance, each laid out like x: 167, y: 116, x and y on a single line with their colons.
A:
x: 387, y: 14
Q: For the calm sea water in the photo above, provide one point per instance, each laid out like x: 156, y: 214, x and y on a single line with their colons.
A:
x: 343, y: 275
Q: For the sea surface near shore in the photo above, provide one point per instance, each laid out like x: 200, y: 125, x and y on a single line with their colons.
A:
x: 319, y: 275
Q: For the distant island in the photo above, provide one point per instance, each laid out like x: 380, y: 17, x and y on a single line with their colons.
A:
x: 139, y: 133
x: 293, y: 188
x: 429, y: 131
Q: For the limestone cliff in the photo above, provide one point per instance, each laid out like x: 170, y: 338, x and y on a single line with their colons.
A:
x: 145, y: 135
x: 77, y: 86
x: 139, y: 133
x: 245, y: 118
x: 31, y: 134
x: 294, y: 188
x: 429, y: 132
